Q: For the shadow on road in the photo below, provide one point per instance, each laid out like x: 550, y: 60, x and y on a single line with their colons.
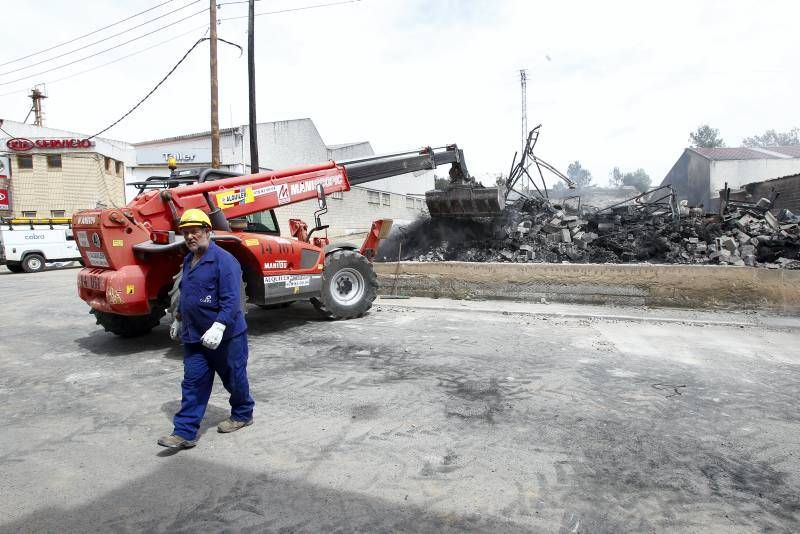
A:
x: 185, y: 494
x: 214, y: 414
x: 260, y: 322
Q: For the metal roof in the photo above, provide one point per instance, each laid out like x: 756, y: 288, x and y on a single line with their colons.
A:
x: 739, y: 153
x: 793, y: 151
x: 222, y: 131
x: 721, y: 154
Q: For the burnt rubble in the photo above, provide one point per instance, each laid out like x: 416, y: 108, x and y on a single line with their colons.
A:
x: 648, y: 228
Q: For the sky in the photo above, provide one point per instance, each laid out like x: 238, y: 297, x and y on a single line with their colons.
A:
x: 613, y: 83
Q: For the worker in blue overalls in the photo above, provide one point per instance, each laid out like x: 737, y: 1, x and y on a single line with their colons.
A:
x: 210, y: 323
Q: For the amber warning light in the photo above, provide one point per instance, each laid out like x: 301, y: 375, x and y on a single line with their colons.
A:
x: 162, y: 237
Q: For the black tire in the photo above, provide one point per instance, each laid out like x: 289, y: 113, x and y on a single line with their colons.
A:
x: 130, y: 325
x: 349, y: 286
x: 33, y: 263
x: 14, y: 267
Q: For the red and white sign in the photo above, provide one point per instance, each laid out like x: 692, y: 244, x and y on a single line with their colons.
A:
x: 21, y: 144
x: 283, y: 194
x: 4, y: 199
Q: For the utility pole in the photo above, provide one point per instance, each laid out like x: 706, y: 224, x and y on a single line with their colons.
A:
x: 523, y: 80
x: 214, y: 88
x: 38, y: 115
x: 251, y: 78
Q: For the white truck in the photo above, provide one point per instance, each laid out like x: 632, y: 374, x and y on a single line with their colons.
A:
x: 28, y: 244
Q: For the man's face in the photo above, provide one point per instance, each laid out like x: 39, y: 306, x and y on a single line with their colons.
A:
x: 197, y: 238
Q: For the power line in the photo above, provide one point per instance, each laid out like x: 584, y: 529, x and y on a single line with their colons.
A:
x: 19, y: 91
x: 86, y: 34
x: 295, y: 9
x: 145, y: 23
x: 153, y: 90
x: 106, y: 50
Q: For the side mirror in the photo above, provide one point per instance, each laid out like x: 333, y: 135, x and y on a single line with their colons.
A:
x: 321, y: 197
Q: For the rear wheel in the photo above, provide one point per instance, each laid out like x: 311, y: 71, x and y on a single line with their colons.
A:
x: 33, y: 263
x: 349, y: 286
x: 14, y: 267
x: 130, y: 325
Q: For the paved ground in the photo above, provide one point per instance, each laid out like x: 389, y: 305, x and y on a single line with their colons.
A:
x: 422, y: 416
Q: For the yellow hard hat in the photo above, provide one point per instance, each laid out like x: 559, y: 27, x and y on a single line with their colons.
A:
x: 194, y: 217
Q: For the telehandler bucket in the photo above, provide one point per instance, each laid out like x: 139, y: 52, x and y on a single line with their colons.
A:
x: 465, y: 200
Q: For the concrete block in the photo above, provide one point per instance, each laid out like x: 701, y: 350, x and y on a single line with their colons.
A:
x: 742, y: 237
x: 566, y: 237
x: 771, y: 220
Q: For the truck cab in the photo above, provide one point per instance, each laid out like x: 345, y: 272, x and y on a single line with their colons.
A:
x: 27, y: 245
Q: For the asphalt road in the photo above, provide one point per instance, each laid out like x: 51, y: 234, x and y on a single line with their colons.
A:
x: 423, y: 416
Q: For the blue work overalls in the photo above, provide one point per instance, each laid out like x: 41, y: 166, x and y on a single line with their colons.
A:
x: 210, y: 292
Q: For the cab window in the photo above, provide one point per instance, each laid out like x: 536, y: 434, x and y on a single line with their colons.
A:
x: 263, y: 222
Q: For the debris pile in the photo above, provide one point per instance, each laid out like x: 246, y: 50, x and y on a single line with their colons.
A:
x: 648, y: 228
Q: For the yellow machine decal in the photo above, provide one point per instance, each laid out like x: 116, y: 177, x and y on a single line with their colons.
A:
x: 117, y: 243
x: 251, y: 242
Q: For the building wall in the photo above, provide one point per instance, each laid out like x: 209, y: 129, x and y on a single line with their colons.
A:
x: 81, y: 183
x: 740, y: 172
x: 788, y: 187
x: 689, y: 178
x: 354, y: 211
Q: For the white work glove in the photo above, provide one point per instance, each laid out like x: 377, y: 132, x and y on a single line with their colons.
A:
x: 213, y: 336
x: 175, y: 330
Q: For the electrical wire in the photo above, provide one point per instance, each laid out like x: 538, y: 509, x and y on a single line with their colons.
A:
x: 153, y: 90
x: 315, y: 6
x: 87, y: 34
x: 145, y: 23
x: 106, y: 50
x: 184, y: 34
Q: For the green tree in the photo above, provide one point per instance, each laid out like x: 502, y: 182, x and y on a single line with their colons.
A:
x: 440, y: 184
x: 773, y: 138
x: 706, y: 137
x: 638, y: 179
x: 578, y: 174
x: 615, y: 180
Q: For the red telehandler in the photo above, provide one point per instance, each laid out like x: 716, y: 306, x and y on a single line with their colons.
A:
x: 133, y: 254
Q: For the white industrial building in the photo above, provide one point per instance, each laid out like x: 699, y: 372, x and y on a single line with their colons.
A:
x: 700, y: 173
x: 290, y: 143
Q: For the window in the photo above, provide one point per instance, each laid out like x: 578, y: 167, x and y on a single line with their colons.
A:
x: 338, y: 195
x: 24, y: 162
x: 108, y: 164
x: 410, y: 204
x: 373, y: 197
x: 420, y: 204
x: 262, y: 222
x: 29, y: 214
x: 120, y: 169
x: 386, y: 199
x: 57, y: 213
x: 54, y: 161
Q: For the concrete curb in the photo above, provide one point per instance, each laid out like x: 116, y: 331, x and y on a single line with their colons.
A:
x: 683, y: 286
x: 773, y: 322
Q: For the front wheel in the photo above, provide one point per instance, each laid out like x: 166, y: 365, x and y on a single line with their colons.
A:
x: 33, y: 263
x: 129, y: 325
x: 349, y: 286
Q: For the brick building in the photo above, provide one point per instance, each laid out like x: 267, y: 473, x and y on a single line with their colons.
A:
x: 54, y: 173
x: 785, y: 190
x: 285, y: 144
